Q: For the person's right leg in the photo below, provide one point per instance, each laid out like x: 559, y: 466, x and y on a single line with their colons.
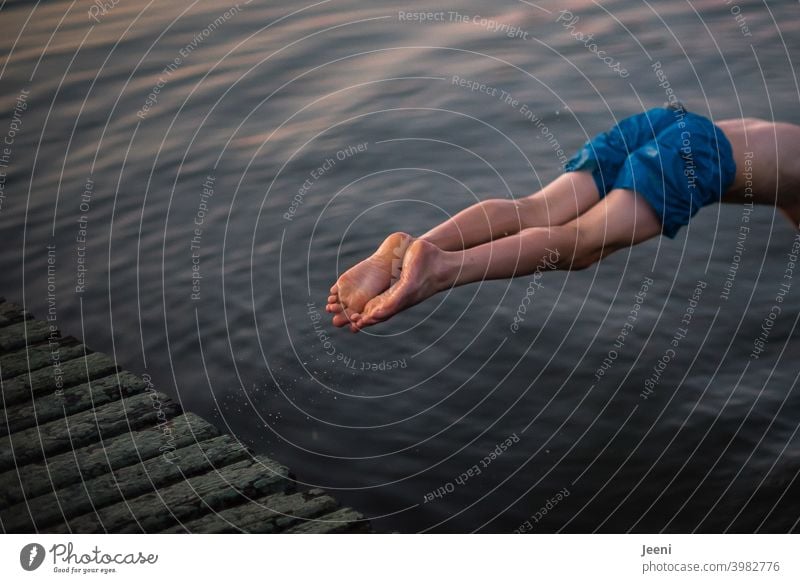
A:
x: 568, y: 196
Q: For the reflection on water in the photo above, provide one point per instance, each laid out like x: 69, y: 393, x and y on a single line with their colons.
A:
x: 203, y: 171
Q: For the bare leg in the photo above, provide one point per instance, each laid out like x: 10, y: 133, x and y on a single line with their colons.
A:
x: 560, y: 201
x: 568, y: 196
x: 620, y: 220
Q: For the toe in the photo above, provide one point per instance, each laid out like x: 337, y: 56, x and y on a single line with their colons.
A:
x: 373, y: 314
x: 340, y: 320
x: 366, y: 317
x: 373, y: 307
x: 365, y: 321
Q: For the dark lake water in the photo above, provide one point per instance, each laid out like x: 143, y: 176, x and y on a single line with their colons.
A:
x: 149, y: 143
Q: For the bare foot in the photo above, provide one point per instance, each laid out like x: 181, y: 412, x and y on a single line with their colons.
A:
x: 425, y: 273
x: 359, y: 284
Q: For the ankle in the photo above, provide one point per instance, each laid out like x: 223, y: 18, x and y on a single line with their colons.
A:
x: 397, y: 242
x: 446, y: 269
x: 443, y: 242
x: 394, y: 247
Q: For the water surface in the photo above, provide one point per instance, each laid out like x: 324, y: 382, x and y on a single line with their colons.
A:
x: 265, y: 147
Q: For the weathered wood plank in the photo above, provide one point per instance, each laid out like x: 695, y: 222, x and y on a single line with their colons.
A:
x: 84, y: 428
x: 11, y: 314
x: 84, y: 448
x: 342, y: 520
x: 97, y: 459
x: 38, y: 356
x: 270, y: 514
x: 52, y: 378
x: 126, y: 483
x: 22, y: 334
x: 193, y: 498
x: 70, y: 401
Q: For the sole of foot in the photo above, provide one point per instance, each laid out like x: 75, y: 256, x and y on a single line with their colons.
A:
x: 424, y: 274
x: 364, y: 281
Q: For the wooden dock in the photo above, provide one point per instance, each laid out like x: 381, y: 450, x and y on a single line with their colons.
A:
x: 86, y: 447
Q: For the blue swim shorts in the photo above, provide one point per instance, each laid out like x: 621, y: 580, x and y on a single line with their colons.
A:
x: 677, y: 160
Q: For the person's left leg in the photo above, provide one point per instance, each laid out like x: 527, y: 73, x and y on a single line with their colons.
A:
x: 565, y: 198
x: 619, y: 220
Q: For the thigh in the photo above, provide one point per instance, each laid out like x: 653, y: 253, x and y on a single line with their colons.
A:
x: 621, y: 219
x: 568, y: 196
